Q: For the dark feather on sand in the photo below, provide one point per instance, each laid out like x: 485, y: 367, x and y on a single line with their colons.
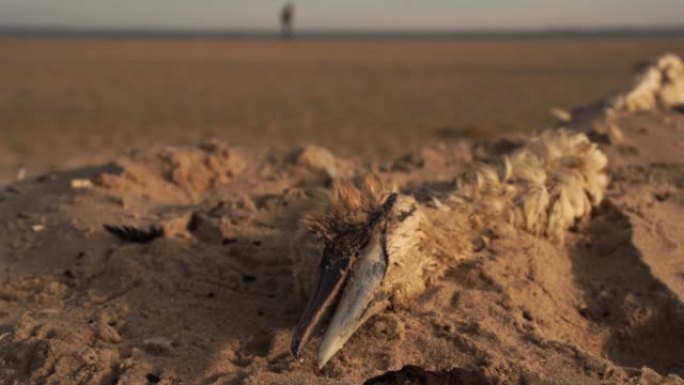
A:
x: 135, y: 235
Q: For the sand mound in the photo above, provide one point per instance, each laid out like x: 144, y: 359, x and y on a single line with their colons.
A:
x: 175, y: 173
x: 211, y: 301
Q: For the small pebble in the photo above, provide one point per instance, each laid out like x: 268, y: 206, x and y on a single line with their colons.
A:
x: 21, y: 174
x: 248, y: 278
x: 81, y: 183
x: 158, y: 345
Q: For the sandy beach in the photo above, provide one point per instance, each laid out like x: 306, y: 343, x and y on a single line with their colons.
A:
x: 69, y: 103
x: 210, y: 300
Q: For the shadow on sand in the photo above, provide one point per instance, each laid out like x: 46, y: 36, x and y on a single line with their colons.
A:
x: 643, y: 318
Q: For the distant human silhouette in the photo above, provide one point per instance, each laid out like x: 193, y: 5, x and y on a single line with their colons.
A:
x: 286, y: 19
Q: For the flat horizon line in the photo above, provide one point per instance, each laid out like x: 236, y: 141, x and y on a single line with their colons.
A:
x: 356, y: 33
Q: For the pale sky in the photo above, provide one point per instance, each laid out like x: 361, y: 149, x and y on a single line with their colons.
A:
x: 343, y: 14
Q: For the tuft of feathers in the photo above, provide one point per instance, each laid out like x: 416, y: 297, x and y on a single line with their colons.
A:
x: 135, y: 235
x: 542, y: 188
x: 658, y: 85
x: 348, y: 205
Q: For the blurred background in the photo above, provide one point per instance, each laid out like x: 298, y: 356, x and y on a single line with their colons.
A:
x: 82, y: 80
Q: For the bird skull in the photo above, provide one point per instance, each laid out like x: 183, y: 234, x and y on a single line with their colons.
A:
x: 355, y: 275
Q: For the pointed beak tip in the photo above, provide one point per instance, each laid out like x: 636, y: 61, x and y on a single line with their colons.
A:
x: 328, y: 348
x: 321, y: 361
x: 346, y: 289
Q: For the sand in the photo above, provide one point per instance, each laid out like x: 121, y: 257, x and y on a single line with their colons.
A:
x: 68, y: 103
x: 211, y: 301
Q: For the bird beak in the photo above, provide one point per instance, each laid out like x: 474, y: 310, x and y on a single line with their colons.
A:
x: 347, y: 288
